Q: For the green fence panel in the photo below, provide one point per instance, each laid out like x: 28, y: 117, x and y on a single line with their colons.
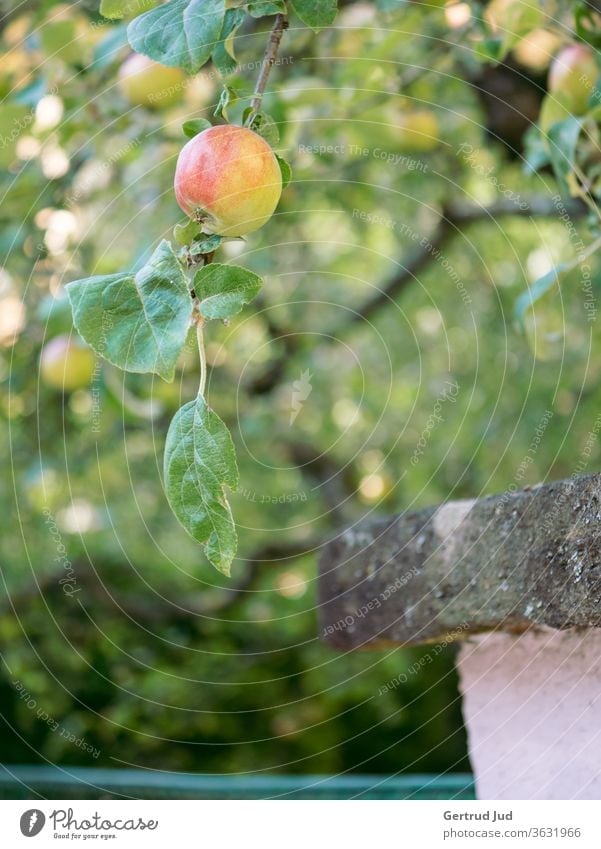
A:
x: 55, y: 782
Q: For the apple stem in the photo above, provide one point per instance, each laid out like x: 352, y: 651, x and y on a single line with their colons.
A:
x: 203, y: 357
x: 271, y: 52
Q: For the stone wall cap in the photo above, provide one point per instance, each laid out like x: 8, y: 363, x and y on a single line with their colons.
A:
x: 505, y: 562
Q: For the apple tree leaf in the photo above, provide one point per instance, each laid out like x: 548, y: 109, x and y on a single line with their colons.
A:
x: 224, y: 289
x: 223, y: 55
x: 200, y: 460
x: 316, y: 13
x: 137, y: 321
x: 179, y: 33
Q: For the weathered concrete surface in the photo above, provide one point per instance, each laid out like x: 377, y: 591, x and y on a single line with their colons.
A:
x: 507, y: 561
x: 532, y: 706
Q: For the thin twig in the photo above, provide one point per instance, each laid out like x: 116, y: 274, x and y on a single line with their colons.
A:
x: 271, y: 52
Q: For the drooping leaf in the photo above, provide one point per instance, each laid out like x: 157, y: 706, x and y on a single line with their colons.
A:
x: 229, y: 96
x: 563, y: 138
x: 180, y: 33
x: 195, y: 126
x: 200, y: 460
x: 316, y: 13
x: 223, y: 55
x: 137, y: 321
x: 223, y: 290
x: 285, y: 169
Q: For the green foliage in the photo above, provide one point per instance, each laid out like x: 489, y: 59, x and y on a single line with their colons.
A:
x: 315, y: 13
x: 156, y: 660
x: 138, y: 321
x: 199, y: 461
x: 223, y: 55
x: 223, y: 290
x: 179, y: 33
x: 195, y: 126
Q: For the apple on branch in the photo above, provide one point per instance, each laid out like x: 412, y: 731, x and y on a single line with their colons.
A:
x: 228, y: 179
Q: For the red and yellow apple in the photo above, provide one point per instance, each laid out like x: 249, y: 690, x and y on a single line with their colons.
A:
x: 228, y: 178
x: 573, y: 75
x: 146, y: 83
x: 66, y: 363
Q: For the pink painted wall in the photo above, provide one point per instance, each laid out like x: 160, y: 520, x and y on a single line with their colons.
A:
x: 532, y: 705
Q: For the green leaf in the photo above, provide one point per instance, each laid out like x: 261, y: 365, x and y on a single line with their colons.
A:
x: 536, y: 153
x: 285, y: 169
x: 186, y: 231
x: 205, y: 244
x: 223, y: 55
x: 138, y: 321
x: 113, y: 9
x: 196, y: 126
x: 264, y: 125
x: 200, y: 460
x: 316, y: 13
x: 261, y: 10
x: 539, y: 288
x: 224, y: 289
x: 563, y: 138
x: 180, y: 33
x: 228, y: 97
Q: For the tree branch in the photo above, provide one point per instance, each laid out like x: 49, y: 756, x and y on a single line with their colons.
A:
x: 271, y: 52
x: 454, y: 217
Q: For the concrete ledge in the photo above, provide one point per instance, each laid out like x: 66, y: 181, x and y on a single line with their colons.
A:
x: 508, y: 562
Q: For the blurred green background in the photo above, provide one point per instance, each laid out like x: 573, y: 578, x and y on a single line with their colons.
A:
x: 119, y: 644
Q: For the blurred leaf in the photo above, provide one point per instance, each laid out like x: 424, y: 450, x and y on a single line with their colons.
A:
x: 180, y: 33
x: 196, y: 126
x: 563, y: 138
x: 538, y: 289
x: 200, y: 460
x: 137, y: 322
x: 114, y: 9
x: 223, y: 290
x: 107, y: 48
x: 536, y: 153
